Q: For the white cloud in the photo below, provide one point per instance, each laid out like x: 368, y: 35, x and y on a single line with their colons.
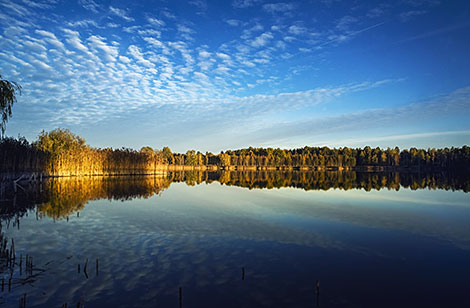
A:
x: 200, y: 4
x: 247, y: 33
x: 98, y: 43
x: 14, y: 31
x: 120, y: 13
x: 112, y: 25
x: 15, y: 8
x: 34, y: 46
x: 280, y: 7
x: 124, y: 59
x: 431, y: 110
x: 73, y: 39
x: 223, y: 56
x: 345, y: 22
x: 184, y: 29
x: 89, y: 5
x: 137, y: 54
x: 156, y: 21
x: 405, y: 16
x: 39, y: 4
x: 149, y: 32
x: 204, y: 54
x: 233, y: 22
x: 241, y: 4
x: 262, y: 40
x: 83, y: 23
x: 294, y: 29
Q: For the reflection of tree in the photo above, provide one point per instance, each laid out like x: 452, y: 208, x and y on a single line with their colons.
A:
x: 61, y: 197
x: 64, y: 196
x: 313, y: 180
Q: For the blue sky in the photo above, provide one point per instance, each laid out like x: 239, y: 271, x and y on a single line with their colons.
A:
x: 216, y: 75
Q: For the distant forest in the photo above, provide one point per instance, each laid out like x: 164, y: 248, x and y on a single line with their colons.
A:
x: 61, y: 153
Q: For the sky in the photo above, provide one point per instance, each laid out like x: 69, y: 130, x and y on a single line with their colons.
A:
x: 218, y: 75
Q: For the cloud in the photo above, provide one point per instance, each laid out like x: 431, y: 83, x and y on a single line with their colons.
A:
x: 280, y: 7
x: 155, y: 21
x: 83, y: 23
x: 455, y: 102
x: 120, y: 13
x: 262, y: 40
x: 34, y: 46
x: 436, y: 32
x: 345, y: 22
x: 184, y: 29
x: 73, y: 39
x: 247, y: 33
x: 16, y: 8
x: 405, y: 16
x: 98, y: 43
x: 338, y: 38
x: 411, y: 136
x: 223, y: 56
x: 241, y: 4
x: 375, y: 12
x: 137, y: 54
x: 90, y: 5
x: 14, y: 31
x: 39, y: 4
x: 200, y: 4
x: 204, y: 54
x: 50, y: 38
x: 233, y: 22
x: 294, y: 29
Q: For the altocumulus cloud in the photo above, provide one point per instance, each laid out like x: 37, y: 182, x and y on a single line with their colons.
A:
x: 112, y: 64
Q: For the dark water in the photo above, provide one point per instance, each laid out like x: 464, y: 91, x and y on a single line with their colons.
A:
x: 371, y: 240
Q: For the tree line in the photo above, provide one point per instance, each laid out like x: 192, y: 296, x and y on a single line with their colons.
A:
x: 62, y: 153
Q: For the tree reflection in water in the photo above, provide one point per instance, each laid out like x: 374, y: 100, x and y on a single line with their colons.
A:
x: 59, y: 198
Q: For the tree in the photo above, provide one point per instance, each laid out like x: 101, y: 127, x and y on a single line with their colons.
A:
x: 8, y: 92
x: 168, y: 156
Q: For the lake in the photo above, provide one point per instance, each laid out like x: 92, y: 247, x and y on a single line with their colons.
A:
x: 240, y: 239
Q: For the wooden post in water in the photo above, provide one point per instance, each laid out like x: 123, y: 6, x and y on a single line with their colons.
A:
x: 13, y: 249
x: 243, y: 273
x: 84, y: 268
x: 180, y: 293
x: 3, y: 284
x: 317, y: 292
x: 96, y: 266
x: 79, y: 268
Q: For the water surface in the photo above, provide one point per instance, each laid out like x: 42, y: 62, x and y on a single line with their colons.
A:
x: 370, y: 241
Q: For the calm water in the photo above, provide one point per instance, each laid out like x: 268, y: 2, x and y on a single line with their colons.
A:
x: 369, y: 241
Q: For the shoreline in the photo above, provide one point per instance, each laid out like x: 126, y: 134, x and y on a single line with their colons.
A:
x: 165, y: 169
